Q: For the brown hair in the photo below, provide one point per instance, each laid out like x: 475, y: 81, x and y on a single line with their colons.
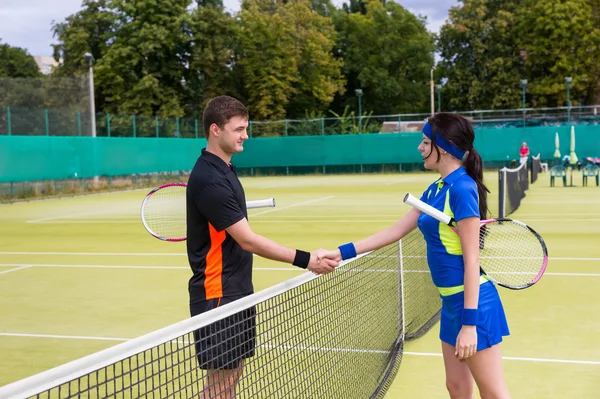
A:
x: 220, y: 110
x: 459, y: 131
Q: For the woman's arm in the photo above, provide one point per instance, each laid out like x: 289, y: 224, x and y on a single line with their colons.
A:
x: 469, y: 241
x: 466, y: 342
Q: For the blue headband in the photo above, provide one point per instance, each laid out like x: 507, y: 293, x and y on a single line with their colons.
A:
x: 442, y: 143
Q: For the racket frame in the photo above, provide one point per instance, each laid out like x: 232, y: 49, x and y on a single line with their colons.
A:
x: 255, y: 204
x: 443, y: 218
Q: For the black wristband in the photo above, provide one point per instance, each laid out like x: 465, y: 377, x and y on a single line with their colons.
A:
x: 302, y: 259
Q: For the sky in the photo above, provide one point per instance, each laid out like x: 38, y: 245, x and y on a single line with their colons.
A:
x: 27, y: 23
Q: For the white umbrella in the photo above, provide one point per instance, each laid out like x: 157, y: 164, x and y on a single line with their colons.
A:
x: 573, y: 157
x: 557, y: 145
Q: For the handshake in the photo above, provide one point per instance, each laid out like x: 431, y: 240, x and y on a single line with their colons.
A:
x: 323, y: 261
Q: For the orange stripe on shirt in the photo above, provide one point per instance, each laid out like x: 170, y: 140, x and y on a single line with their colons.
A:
x: 214, y: 264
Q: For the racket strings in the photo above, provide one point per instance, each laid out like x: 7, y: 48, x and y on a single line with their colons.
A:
x: 164, y: 212
x: 511, y: 253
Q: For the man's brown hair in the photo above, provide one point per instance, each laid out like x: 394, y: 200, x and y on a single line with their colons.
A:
x: 220, y: 110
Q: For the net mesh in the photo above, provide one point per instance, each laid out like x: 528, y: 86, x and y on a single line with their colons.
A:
x: 522, y: 264
x: 536, y: 168
x: 339, y: 335
x: 512, y: 185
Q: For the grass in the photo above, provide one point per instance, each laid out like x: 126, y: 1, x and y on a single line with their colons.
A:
x: 57, y: 276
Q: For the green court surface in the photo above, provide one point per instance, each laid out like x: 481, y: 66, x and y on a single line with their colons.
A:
x: 81, y: 274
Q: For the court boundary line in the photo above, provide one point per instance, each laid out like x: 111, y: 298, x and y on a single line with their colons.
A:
x: 292, y: 205
x: 424, y: 354
x: 20, y: 266
x: 184, y: 254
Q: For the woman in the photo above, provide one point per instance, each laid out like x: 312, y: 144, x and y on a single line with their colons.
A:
x: 472, y: 319
x: 523, y: 153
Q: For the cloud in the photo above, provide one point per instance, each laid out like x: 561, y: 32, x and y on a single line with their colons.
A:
x: 28, y: 23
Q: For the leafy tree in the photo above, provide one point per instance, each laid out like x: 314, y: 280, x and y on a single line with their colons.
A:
x: 213, y: 68
x: 141, y: 72
x: 479, y: 57
x: 387, y: 53
x: 16, y: 62
x: 285, y: 55
x: 560, y: 38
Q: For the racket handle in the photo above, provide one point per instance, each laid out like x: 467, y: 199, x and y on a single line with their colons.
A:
x: 428, y: 209
x: 264, y: 203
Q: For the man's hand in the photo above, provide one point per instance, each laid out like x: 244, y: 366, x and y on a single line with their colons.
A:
x: 320, y: 264
x: 332, y: 255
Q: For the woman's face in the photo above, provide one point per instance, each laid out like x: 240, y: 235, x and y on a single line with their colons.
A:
x: 429, y: 159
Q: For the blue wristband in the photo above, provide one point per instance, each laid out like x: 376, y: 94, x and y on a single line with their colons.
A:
x: 470, y: 317
x: 347, y: 250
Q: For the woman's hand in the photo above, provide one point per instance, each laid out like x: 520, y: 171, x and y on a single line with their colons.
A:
x: 466, y: 342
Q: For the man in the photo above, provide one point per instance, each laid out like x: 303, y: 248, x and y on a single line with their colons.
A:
x: 220, y: 244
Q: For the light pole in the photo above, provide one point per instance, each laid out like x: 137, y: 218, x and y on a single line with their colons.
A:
x: 90, y: 59
x: 359, y: 94
x: 438, y: 89
x: 431, y: 84
x: 568, y: 81
x: 523, y: 87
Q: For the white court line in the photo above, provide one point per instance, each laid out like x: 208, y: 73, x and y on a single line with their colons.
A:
x: 184, y: 254
x: 523, y: 359
x: 20, y: 267
x: 285, y: 269
x: 97, y: 253
x: 75, y: 215
x: 63, y: 337
x: 292, y: 206
x: 58, y: 265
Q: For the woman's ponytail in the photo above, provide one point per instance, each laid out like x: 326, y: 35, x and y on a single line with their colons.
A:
x: 474, y: 167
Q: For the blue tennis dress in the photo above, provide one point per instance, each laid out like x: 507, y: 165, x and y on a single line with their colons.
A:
x: 456, y: 195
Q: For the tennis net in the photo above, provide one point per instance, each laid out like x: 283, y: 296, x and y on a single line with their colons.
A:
x: 337, y: 335
x: 536, y: 167
x: 512, y: 184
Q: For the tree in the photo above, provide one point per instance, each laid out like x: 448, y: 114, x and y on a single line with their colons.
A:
x: 16, y: 62
x: 91, y: 30
x: 387, y: 53
x: 285, y: 54
x: 141, y: 71
x: 213, y: 69
x: 479, y: 56
x: 560, y: 38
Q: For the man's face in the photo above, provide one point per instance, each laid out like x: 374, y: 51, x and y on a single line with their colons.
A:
x: 233, y: 134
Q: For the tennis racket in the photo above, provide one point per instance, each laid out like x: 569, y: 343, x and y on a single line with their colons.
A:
x: 163, y: 211
x: 511, y: 253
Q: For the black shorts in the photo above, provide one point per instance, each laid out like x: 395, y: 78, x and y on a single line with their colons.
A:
x: 223, y: 344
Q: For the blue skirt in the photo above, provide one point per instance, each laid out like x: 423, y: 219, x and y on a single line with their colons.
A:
x: 492, y: 324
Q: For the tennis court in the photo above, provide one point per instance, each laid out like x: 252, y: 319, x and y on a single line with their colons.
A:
x: 81, y: 274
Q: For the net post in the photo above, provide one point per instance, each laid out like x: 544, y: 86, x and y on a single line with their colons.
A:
x: 156, y: 125
x: 501, y: 193
x: 134, y: 128
x: 46, y: 122
x: 8, y: 121
x: 79, y: 124
x: 107, y: 125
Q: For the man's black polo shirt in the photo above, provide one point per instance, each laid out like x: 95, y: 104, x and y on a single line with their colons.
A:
x: 215, y: 201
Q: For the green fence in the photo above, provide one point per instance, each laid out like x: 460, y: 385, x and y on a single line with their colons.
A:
x: 35, y: 158
x: 24, y: 121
